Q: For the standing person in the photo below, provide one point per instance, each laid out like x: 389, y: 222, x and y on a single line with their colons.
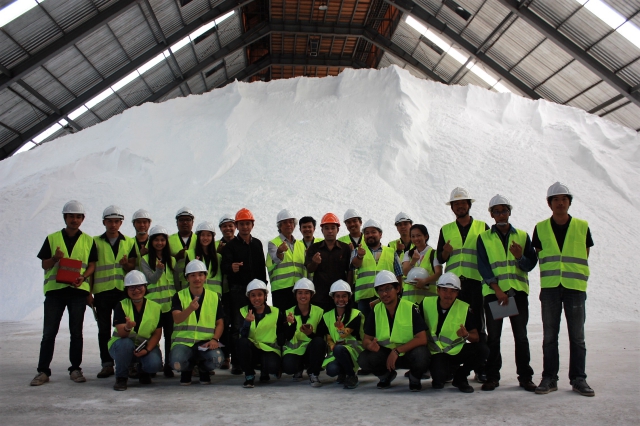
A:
x: 403, y: 224
x: 563, y: 243
x: 182, y: 241
x: 367, y: 261
x: 68, y: 243
x: 353, y: 222
x: 206, y: 252
x: 198, y: 325
x: 136, y: 332
x: 394, y: 336
x: 457, y: 246
x: 285, y: 261
x: 242, y: 261
x: 227, y: 227
x: 158, y: 267
x: 108, y: 279
x: 450, y: 328
x: 141, y: 220
x: 424, y: 257
x: 307, y: 229
x: 505, y: 256
x: 328, y: 261
x: 304, y: 347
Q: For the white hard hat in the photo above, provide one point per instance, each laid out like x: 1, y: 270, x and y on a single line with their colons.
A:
x: 372, y: 224
x: 158, y: 229
x: 350, y: 214
x: 285, y: 214
x: 449, y: 280
x: 113, y: 212
x: 206, y: 226
x: 559, y: 188
x: 73, y: 207
x: 459, y: 194
x: 340, y: 285
x: 195, y: 266
x: 403, y: 217
x: 226, y: 218
x: 498, y: 200
x: 140, y: 214
x: 256, y: 284
x: 385, y: 277
x: 134, y: 278
x: 304, y: 284
x: 185, y: 211
x: 416, y: 273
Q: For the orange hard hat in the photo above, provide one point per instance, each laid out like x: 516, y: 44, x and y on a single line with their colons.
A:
x: 244, y: 214
x: 330, y: 218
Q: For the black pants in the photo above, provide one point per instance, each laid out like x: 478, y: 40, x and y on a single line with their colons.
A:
x: 461, y: 364
x: 283, y: 299
x: 225, y: 339
x: 311, y: 359
x: 416, y: 360
x: 472, y: 294
x: 236, y: 299
x: 250, y: 357
x: 104, y: 303
x: 166, y: 321
x: 343, y: 364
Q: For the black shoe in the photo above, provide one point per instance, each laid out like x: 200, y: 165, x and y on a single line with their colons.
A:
x: 351, y: 382
x: 462, y: 385
x: 490, y: 385
x: 437, y: 385
x: 363, y: 372
x: 415, y: 387
x: 168, y: 372
x: 236, y: 371
x: 264, y: 378
x: 144, y: 378
x: 480, y: 377
x: 385, y: 383
x: 528, y: 385
x: 121, y: 384
x: 105, y: 372
x: 580, y: 385
x: 185, y: 378
x: 547, y: 385
x: 341, y: 379
x: 133, y: 371
x: 248, y: 383
x: 205, y: 378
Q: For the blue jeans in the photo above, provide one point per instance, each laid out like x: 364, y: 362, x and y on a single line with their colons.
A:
x: 184, y: 358
x: 122, y: 353
x: 552, y: 301
x: 343, y: 364
x: 53, y: 309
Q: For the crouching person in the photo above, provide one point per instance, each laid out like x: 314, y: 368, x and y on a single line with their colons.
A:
x: 394, y: 336
x: 450, y: 327
x: 137, y: 332
x: 198, y: 325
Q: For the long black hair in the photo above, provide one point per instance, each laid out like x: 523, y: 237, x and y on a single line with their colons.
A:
x: 212, y: 257
x: 423, y: 231
x: 167, y: 259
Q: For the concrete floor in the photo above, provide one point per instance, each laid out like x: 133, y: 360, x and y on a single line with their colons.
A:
x: 612, y: 365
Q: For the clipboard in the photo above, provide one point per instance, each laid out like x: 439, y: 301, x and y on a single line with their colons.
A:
x: 502, y: 311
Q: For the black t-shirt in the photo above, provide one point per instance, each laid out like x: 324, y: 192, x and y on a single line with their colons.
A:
x: 133, y: 252
x: 176, y: 305
x: 469, y: 324
x: 418, y: 322
x: 560, y: 232
x: 119, y: 316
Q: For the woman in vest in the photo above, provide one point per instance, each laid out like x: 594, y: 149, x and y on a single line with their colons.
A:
x: 136, y: 332
x: 205, y: 251
x: 198, y: 324
x: 303, y: 347
x: 421, y: 256
x: 261, y: 333
x: 158, y: 267
x: 342, y: 327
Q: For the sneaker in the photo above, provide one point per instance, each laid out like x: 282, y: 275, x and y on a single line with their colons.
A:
x: 185, y: 378
x: 341, y: 379
x: 205, y: 378
x: 385, y: 383
x: 462, y: 385
x: 528, y: 385
x: 105, y: 372
x: 144, y: 378
x: 168, y: 372
x: 40, y: 379
x: 547, y: 385
x: 121, y: 384
x: 226, y: 364
x: 298, y: 376
x: 580, y: 385
x: 236, y: 371
x: 248, y: 382
x: 415, y: 387
x: 314, y: 381
x: 76, y: 376
x: 437, y: 385
x: 490, y: 385
x: 351, y: 382
x: 480, y: 377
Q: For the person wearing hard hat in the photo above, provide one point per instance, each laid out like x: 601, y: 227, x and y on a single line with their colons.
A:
x: 368, y: 260
x: 206, y: 252
x: 343, y: 328
x: 394, y: 336
x: 563, y: 243
x: 141, y: 220
x: 304, y: 347
x: 285, y: 261
x: 136, y: 333
x: 457, y: 247
x: 421, y: 267
x: 353, y: 222
x: 158, y: 267
x: 327, y: 261
x: 451, y: 326
x: 198, y: 324
x: 242, y: 261
x: 108, y: 279
x: 71, y: 293
x: 403, y: 224
x: 182, y: 241
x: 505, y: 256
x: 262, y: 333
x: 227, y: 227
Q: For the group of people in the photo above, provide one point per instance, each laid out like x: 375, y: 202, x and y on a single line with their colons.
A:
x: 349, y: 306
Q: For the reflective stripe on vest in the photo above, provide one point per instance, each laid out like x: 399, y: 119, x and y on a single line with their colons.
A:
x: 464, y: 259
x: 289, y: 270
x: 162, y: 291
x: 353, y: 345
x: 109, y: 273
x: 402, y: 331
x: 149, y: 323
x: 569, y: 267
x: 192, y: 330
x: 175, y: 245
x: 213, y: 283
x: 368, y: 270
x: 447, y: 341
x: 81, y: 251
x: 299, y: 342
x: 503, y: 264
x: 413, y: 294
x: 264, y: 335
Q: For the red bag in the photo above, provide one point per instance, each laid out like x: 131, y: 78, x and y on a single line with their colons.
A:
x: 68, y: 270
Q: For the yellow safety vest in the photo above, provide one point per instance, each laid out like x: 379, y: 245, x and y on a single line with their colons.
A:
x: 162, y: 291
x: 464, y: 260
x: 213, y: 282
x: 368, y: 270
x: 447, y: 341
x: 411, y: 292
x: 191, y: 330
x: 264, y: 336
x: 175, y: 245
x: 109, y: 273
x: 504, y: 265
x: 402, y: 324
x: 289, y: 270
x: 149, y: 323
x: 299, y: 342
x: 353, y: 345
x: 81, y: 251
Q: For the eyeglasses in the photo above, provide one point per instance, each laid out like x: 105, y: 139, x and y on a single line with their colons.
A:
x: 500, y: 212
x: 135, y: 287
x: 385, y: 289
